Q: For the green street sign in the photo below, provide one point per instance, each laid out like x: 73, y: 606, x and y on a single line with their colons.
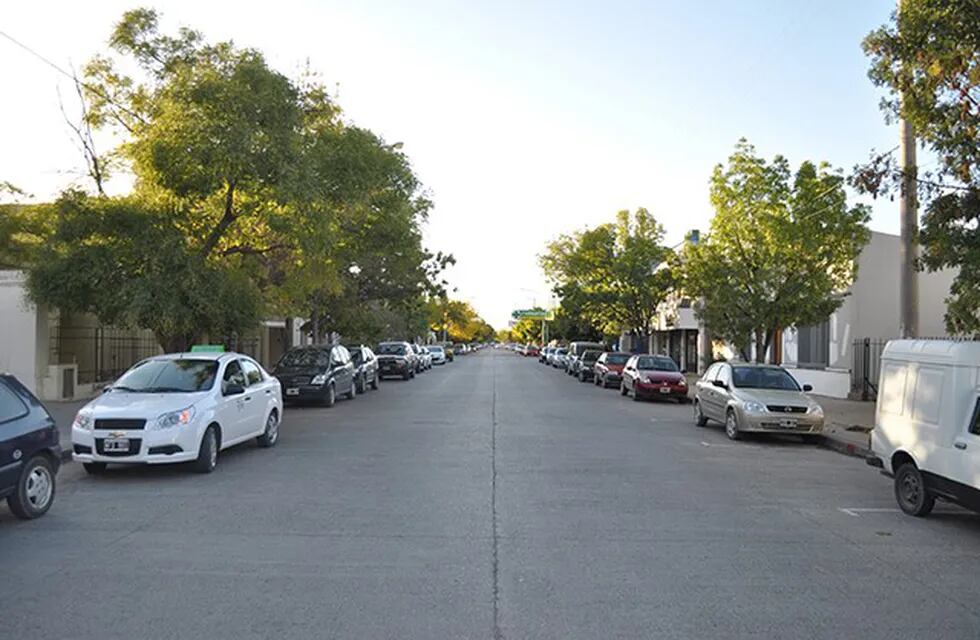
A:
x: 533, y: 314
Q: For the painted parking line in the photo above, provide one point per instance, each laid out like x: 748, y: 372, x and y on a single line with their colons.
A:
x: 857, y: 511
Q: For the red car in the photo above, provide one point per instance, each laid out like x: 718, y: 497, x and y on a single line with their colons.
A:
x: 653, y: 377
x: 532, y: 350
x: 609, y: 369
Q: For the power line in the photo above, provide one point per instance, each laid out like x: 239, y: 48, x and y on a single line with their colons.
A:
x: 70, y: 76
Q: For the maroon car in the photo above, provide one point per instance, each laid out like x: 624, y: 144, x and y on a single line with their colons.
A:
x: 609, y: 369
x: 653, y: 377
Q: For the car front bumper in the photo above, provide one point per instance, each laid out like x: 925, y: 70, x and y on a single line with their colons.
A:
x: 394, y: 368
x: 770, y: 422
x: 166, y: 446
x: 659, y: 390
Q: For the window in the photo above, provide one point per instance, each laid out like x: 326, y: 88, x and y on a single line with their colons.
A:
x: 892, y: 396
x: 304, y: 357
x: 975, y: 420
x: 393, y: 348
x: 927, y: 395
x: 252, y: 372
x: 813, y: 346
x: 234, y: 375
x: 168, y: 376
x: 11, y: 406
x: 725, y: 374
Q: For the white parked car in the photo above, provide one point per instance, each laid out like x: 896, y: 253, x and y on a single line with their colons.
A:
x: 182, y: 407
x: 927, y: 423
x: 438, y: 354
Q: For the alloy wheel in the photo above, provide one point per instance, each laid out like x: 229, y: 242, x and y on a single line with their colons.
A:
x: 39, y: 487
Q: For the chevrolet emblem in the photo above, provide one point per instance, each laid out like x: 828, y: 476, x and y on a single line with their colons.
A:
x: 117, y: 434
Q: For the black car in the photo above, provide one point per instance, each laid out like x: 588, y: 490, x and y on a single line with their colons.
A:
x: 316, y: 373
x: 365, y: 368
x: 30, y: 453
x: 586, y: 364
x: 397, y: 359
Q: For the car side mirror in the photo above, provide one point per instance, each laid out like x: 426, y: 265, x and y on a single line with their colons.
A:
x: 233, y: 389
x: 683, y: 372
x: 808, y: 387
x: 720, y: 384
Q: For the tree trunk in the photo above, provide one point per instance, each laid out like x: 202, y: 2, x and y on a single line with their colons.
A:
x: 315, y: 320
x: 176, y: 343
x: 760, y: 346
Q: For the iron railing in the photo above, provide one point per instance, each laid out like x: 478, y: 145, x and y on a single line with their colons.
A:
x: 101, y: 353
x: 866, y: 367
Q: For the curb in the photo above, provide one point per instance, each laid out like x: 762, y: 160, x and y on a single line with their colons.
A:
x: 847, y: 448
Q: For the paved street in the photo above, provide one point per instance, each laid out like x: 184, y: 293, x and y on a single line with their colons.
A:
x: 492, y: 498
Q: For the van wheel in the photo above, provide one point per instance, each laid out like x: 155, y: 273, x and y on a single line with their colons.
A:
x: 207, y: 455
x: 911, y: 493
x: 731, y: 426
x: 699, y: 418
x: 34, y: 493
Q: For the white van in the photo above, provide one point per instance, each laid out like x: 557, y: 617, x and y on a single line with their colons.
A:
x: 927, y: 423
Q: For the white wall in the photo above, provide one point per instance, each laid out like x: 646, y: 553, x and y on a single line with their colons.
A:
x: 18, y: 326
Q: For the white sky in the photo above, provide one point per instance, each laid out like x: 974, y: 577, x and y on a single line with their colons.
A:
x: 525, y: 120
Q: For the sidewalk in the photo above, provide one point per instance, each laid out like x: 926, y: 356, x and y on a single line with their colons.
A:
x: 847, y: 424
x: 63, y: 414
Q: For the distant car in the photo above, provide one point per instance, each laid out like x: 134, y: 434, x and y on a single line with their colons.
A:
x: 647, y: 376
x: 180, y: 407
x: 421, y: 360
x: 575, y: 351
x: 365, y: 368
x: 438, y: 354
x: 543, y: 356
x: 30, y: 452
x: 558, y: 358
x: 460, y: 349
x: 316, y: 373
x: 396, y: 359
x: 425, y: 355
x: 586, y: 364
x: 755, y: 397
x: 609, y: 368
x: 531, y: 351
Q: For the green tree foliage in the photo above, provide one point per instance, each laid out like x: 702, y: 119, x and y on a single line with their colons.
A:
x: 781, y: 251
x: 928, y: 58
x: 614, y: 275
x: 457, y: 321
x: 263, y: 184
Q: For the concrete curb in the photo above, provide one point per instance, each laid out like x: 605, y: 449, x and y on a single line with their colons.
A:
x: 847, y: 448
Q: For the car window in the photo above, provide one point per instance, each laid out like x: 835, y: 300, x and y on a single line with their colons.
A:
x: 656, y: 363
x: 305, y: 357
x: 234, y: 375
x: 11, y: 406
x: 724, y: 374
x: 763, y: 378
x: 391, y: 349
x: 252, y: 372
x: 975, y: 420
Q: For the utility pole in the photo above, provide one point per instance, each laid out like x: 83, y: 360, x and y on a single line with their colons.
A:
x: 908, y: 290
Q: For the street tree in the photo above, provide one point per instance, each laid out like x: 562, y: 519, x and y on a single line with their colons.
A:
x: 781, y: 251
x: 928, y: 59
x: 615, y: 275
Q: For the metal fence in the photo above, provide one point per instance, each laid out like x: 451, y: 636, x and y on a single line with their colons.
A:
x: 101, y: 354
x: 867, y: 365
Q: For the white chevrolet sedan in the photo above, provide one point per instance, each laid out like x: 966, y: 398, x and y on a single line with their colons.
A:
x: 182, y: 407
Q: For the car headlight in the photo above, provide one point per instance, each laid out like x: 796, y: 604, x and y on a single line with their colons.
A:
x: 814, y: 410
x: 83, y: 420
x: 173, y: 419
x: 319, y: 379
x: 754, y: 407
x: 682, y: 383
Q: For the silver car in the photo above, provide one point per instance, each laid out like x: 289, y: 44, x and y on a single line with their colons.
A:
x: 755, y: 397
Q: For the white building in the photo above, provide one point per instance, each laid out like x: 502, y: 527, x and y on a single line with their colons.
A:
x: 830, y: 356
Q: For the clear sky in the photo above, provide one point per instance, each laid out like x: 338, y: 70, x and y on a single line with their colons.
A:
x: 524, y: 119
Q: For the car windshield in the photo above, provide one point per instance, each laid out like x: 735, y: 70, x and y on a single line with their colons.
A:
x: 617, y: 358
x: 435, y: 349
x: 168, y: 376
x: 356, y: 356
x: 591, y: 356
x: 561, y: 352
x: 304, y: 358
x: 764, y: 378
x: 391, y: 349
x: 655, y: 363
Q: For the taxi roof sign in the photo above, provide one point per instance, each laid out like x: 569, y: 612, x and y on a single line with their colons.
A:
x: 208, y: 348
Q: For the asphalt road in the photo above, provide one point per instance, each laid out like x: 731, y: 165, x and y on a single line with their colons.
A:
x: 492, y: 498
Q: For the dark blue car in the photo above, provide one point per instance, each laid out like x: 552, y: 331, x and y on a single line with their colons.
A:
x: 29, y: 450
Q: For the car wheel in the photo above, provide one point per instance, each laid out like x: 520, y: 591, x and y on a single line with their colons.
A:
x: 34, y: 493
x: 353, y: 390
x: 361, y: 384
x: 329, y: 398
x: 94, y: 468
x: 408, y: 375
x: 731, y: 426
x: 636, y: 394
x: 911, y: 493
x: 699, y: 418
x: 622, y: 388
x: 207, y: 454
x: 581, y: 376
x: 376, y: 382
x: 271, y: 435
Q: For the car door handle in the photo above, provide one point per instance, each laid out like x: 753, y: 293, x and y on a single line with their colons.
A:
x: 248, y: 398
x: 268, y: 391
x: 960, y: 445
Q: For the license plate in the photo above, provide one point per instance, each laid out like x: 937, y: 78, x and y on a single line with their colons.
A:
x: 116, y: 444
x: 788, y: 424
x: 664, y: 389
x: 292, y: 391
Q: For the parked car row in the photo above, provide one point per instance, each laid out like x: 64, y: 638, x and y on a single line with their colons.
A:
x: 186, y: 407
